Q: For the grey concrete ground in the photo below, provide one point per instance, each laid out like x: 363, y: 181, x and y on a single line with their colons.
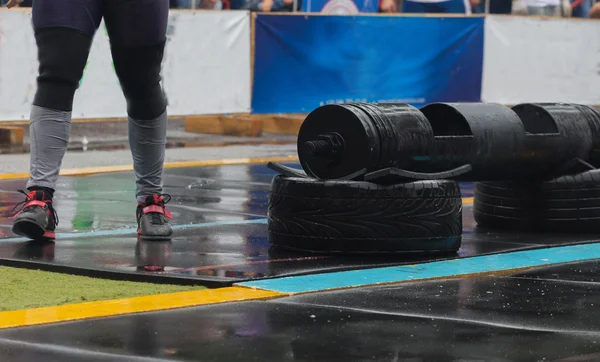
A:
x: 76, y: 159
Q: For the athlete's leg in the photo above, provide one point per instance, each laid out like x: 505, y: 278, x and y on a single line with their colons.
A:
x: 63, y: 33
x: 138, y: 31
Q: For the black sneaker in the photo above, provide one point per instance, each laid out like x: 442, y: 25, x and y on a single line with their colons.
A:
x: 37, y: 219
x: 153, y: 218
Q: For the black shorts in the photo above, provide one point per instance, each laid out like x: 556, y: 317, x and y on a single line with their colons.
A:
x: 130, y: 23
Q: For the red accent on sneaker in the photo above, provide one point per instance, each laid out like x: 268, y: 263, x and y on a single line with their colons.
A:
x: 153, y: 268
x: 36, y: 203
x: 38, y: 195
x: 158, y: 209
x: 49, y: 235
x: 153, y: 208
x: 30, y: 203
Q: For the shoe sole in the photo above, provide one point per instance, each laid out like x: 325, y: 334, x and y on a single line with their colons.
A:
x: 30, y: 229
x: 154, y: 238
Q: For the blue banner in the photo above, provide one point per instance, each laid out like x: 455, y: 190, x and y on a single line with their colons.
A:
x: 339, y: 6
x: 303, y: 62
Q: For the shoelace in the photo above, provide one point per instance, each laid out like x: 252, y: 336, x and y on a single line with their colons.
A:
x: 24, y: 203
x: 168, y: 198
x: 156, y: 218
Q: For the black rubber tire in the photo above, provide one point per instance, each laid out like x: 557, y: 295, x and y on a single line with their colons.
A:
x: 349, y: 217
x: 504, y: 205
x: 564, y: 204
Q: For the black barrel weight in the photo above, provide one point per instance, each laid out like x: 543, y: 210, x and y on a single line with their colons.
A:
x: 339, y: 141
x: 391, y: 142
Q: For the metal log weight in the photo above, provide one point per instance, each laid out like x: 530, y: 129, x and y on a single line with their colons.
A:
x: 391, y: 142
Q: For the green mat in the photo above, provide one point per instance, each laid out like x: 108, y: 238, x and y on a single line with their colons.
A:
x: 23, y: 289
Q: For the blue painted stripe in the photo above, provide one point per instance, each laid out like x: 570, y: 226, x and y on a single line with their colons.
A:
x: 132, y: 231
x: 439, y: 269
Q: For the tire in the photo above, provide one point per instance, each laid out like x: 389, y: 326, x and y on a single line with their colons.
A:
x: 360, y: 217
x: 564, y: 204
x: 504, y: 205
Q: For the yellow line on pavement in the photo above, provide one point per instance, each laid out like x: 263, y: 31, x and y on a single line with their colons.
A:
x: 109, y: 308
x: 86, y: 171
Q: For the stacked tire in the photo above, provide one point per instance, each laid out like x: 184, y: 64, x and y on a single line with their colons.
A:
x: 327, y: 216
x: 435, y: 146
x: 564, y: 204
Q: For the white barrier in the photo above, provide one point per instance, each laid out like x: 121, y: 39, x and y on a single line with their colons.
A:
x: 206, y: 68
x: 528, y: 59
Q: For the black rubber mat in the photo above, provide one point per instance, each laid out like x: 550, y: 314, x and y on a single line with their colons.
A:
x: 220, y: 236
x: 535, y: 316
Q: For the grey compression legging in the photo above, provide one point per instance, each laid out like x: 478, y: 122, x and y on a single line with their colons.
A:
x: 64, y: 30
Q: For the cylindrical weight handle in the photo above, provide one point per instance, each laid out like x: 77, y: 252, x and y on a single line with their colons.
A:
x: 316, y: 148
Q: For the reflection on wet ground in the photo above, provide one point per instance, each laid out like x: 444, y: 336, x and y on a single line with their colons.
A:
x: 220, y: 232
x: 535, y: 316
x: 546, y: 314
